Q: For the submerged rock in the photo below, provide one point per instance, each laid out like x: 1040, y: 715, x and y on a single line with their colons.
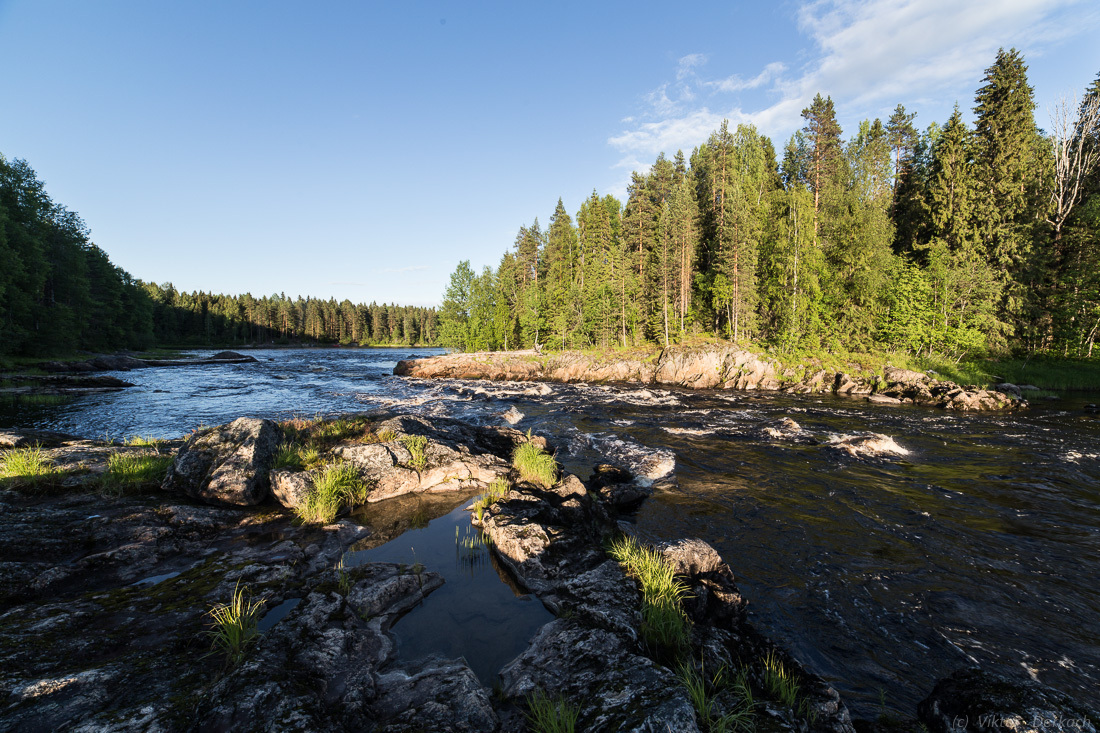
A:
x: 869, y: 445
x: 226, y: 465
x: 973, y: 700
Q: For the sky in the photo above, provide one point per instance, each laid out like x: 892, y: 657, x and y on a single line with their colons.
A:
x: 361, y: 150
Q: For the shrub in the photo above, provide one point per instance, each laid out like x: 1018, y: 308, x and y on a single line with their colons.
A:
x: 535, y: 465
x: 234, y: 625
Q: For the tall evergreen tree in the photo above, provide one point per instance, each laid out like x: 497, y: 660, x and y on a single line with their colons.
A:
x: 822, y: 133
x: 1007, y: 135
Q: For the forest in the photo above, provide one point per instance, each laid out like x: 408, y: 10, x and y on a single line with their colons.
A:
x: 957, y: 240
x: 60, y: 293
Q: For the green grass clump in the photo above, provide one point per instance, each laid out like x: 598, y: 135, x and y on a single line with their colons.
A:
x: 498, y: 489
x: 704, y: 693
x: 343, y: 577
x: 417, y: 446
x: 780, y: 683
x: 665, y: 626
x: 143, y: 441
x: 535, y: 465
x: 289, y: 455
x: 338, y: 485
x: 551, y: 715
x: 234, y: 625
x: 26, y: 464
x: 127, y: 471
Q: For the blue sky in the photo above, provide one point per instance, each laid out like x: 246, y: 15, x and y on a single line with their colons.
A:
x: 360, y: 150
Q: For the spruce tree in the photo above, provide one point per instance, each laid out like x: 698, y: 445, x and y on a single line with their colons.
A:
x: 1006, y: 135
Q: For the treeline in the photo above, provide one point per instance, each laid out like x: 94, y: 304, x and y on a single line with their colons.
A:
x: 58, y: 290
x: 953, y: 240
x: 59, y: 293
x: 199, y: 319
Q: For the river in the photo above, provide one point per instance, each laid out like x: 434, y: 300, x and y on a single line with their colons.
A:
x: 981, y: 544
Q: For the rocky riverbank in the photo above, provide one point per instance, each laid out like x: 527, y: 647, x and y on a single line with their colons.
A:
x: 106, y: 588
x: 714, y: 368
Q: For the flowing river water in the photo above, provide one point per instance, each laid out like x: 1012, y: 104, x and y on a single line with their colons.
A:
x: 980, y: 543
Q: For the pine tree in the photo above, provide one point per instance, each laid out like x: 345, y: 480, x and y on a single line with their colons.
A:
x: 823, y: 141
x: 903, y: 141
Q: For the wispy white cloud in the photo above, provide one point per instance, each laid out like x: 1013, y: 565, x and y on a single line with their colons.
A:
x: 735, y: 83
x: 866, y: 54
x: 686, y: 65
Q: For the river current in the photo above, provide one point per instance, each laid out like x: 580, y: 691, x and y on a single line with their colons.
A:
x: 978, y: 544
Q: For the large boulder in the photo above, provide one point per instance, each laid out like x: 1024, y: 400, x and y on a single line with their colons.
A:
x: 227, y: 465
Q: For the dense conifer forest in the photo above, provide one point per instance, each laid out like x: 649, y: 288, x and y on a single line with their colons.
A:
x: 59, y: 293
x: 954, y: 240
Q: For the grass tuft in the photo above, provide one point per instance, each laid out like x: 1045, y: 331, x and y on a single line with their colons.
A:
x: 129, y: 471
x: 665, y: 626
x: 704, y: 693
x: 780, y: 683
x: 418, y: 446
x: 25, y: 464
x: 343, y: 577
x: 498, y: 489
x: 551, y: 715
x: 289, y: 455
x: 338, y: 485
x: 535, y: 465
x: 143, y: 441
x: 234, y: 625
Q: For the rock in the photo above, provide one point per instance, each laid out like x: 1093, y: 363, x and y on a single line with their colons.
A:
x: 117, y: 363
x: 846, y: 385
x: 232, y: 355
x: 598, y: 670
x: 433, y: 695
x: 616, y: 486
x: 882, y: 399
x: 691, y: 556
x: 894, y: 375
x: 785, y: 428
x: 30, y: 438
x: 973, y: 700
x: 1028, y: 388
x: 226, y: 465
x: 1008, y: 388
x: 511, y: 415
x: 291, y: 488
x: 867, y: 445
x: 389, y: 467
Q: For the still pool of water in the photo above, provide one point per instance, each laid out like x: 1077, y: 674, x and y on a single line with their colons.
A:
x: 479, y: 614
x: 981, y: 544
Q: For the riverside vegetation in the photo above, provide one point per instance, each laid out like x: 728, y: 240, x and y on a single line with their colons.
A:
x: 947, y: 244
x: 111, y: 599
